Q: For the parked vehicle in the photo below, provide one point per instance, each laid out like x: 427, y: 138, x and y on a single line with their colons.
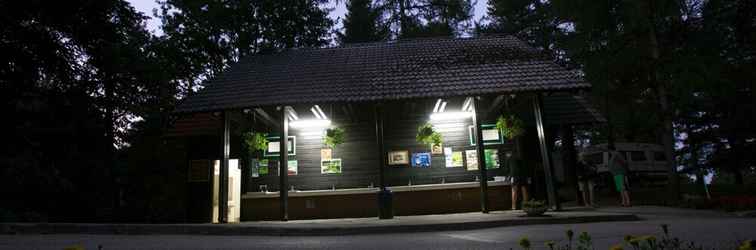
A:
x: 647, y: 162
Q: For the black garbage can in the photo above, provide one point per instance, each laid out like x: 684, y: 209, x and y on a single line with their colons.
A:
x: 385, y: 204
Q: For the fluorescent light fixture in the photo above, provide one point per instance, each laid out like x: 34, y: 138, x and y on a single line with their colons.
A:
x: 319, y: 123
x: 443, y: 107
x: 292, y: 113
x: 315, y: 112
x: 435, y: 108
x: 450, y: 116
x: 467, y: 106
x: 321, y: 112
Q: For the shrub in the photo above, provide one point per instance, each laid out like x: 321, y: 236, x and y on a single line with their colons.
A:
x: 645, y: 242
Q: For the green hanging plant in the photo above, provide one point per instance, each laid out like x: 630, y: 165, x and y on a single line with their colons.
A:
x: 427, y: 135
x: 254, y: 142
x: 334, y: 137
x: 510, y: 126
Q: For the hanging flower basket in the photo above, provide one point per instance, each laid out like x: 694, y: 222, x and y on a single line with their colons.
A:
x: 427, y: 135
x: 510, y: 126
x: 334, y: 137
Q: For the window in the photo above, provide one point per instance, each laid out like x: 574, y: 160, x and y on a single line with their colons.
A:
x: 659, y: 156
x: 637, y: 156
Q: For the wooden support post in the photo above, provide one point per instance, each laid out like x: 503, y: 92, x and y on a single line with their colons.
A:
x: 477, y: 117
x: 569, y: 160
x: 545, y: 155
x: 385, y: 198
x: 379, y: 144
x: 283, y: 166
x: 223, y: 173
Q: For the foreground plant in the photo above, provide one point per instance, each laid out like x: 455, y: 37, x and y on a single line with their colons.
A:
x: 643, y: 242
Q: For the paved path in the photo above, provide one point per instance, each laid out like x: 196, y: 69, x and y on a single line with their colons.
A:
x: 404, y: 224
x: 701, y: 226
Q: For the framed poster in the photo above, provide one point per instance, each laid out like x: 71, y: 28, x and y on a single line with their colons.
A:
x: 491, y: 135
x: 274, y: 146
x: 437, y: 149
x: 471, y: 157
x: 421, y: 160
x: 457, y: 160
x: 448, y: 157
x: 293, y: 167
x: 254, y: 168
x: 325, y: 154
x: 492, y: 158
x: 400, y: 157
x: 262, y: 167
x: 332, y: 166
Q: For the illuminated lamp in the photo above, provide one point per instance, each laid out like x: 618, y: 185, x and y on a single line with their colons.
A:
x: 315, y: 123
x: 450, y: 115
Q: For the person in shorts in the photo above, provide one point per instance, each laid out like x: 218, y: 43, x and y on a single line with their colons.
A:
x: 618, y: 167
x: 586, y: 173
x: 520, y: 178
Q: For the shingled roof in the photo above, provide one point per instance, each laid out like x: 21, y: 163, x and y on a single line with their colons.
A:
x: 423, y: 68
x: 565, y: 108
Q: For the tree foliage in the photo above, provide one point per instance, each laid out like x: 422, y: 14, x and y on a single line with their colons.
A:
x: 363, y: 23
x: 425, y: 18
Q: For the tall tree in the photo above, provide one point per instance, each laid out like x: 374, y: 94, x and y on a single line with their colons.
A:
x: 423, y: 18
x: 74, y: 73
x: 208, y: 36
x: 533, y: 21
x: 363, y: 23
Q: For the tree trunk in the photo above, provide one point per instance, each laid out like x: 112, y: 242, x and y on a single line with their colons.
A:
x: 668, y: 135
x: 668, y: 142
x: 402, y: 16
x: 108, y: 192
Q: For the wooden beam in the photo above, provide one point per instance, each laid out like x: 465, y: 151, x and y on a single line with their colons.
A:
x: 545, y: 154
x: 477, y: 117
x: 496, y: 104
x: 267, y: 119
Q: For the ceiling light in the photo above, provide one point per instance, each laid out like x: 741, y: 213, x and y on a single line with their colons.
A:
x: 319, y: 123
x: 450, y: 116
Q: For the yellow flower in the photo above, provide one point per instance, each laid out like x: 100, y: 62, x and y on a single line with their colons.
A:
x: 648, y: 238
x: 746, y: 245
x: 628, y: 238
x: 616, y: 247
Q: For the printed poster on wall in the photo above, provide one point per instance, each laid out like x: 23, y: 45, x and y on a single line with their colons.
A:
x: 293, y: 167
x: 471, y: 157
x: 437, y: 149
x: 448, y: 157
x: 492, y: 158
x: 332, y: 166
x: 325, y: 154
x: 254, y: 169
x: 262, y: 167
x: 421, y: 160
x: 457, y: 160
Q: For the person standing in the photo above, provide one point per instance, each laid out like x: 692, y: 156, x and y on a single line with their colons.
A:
x: 520, y: 179
x: 618, y: 168
x: 586, y: 173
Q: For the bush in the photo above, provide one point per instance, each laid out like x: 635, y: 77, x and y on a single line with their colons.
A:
x: 534, y: 207
x: 645, y: 242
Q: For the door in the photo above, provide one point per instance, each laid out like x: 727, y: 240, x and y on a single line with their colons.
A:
x: 234, y: 190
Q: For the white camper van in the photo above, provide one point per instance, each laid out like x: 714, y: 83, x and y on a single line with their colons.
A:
x: 646, y: 161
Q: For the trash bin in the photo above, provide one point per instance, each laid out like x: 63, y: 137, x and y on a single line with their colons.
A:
x: 385, y: 204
